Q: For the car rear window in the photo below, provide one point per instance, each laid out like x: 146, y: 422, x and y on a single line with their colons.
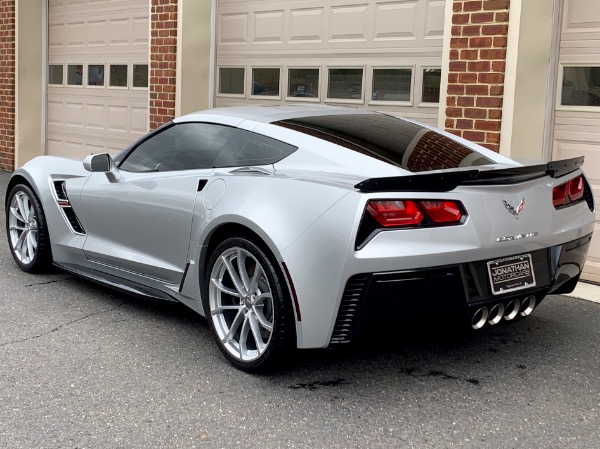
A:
x: 398, y: 142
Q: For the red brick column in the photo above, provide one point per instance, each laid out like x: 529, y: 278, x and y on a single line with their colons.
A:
x: 7, y: 85
x: 163, y: 56
x: 476, y: 70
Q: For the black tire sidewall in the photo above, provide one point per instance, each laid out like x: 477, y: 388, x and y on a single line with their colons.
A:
x: 281, y: 343
x: 42, y: 258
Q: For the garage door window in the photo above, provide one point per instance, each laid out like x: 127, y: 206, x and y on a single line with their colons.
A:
x: 392, y: 85
x: 140, y: 75
x: 95, y: 75
x: 431, y: 85
x: 265, y: 82
x: 75, y: 74
x: 581, y: 86
x: 345, y: 84
x: 118, y: 75
x: 303, y: 83
x: 231, y: 80
x: 55, y: 74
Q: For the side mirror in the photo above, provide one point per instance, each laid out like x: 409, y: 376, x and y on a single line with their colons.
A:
x: 102, y: 163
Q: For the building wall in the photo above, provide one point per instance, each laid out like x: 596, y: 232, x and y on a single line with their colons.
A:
x: 7, y: 84
x: 163, y: 61
x: 476, y: 70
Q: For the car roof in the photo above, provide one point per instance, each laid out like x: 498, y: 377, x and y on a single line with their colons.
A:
x: 234, y: 115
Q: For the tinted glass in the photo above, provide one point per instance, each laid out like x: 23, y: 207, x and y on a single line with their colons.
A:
x: 389, y: 139
x: 118, y: 75
x: 432, y: 79
x: 265, y: 82
x: 140, y: 75
x: 231, y: 80
x: 190, y: 146
x: 95, y: 75
x: 345, y: 84
x: 55, y: 74
x: 581, y: 86
x: 391, y: 84
x: 303, y: 83
x: 75, y: 74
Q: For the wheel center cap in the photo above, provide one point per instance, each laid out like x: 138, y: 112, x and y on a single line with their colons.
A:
x: 248, y: 302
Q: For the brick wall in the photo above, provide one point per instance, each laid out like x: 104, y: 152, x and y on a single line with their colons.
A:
x: 476, y: 70
x: 7, y: 85
x: 434, y: 152
x: 163, y: 56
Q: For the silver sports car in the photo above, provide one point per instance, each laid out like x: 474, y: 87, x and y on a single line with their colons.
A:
x: 292, y: 227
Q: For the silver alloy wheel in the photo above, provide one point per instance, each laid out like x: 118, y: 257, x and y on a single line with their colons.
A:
x: 241, y: 304
x: 23, y: 227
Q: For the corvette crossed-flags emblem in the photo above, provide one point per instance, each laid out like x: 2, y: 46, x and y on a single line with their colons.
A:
x: 514, y: 211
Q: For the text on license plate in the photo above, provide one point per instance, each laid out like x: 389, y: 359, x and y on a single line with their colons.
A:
x: 511, y: 274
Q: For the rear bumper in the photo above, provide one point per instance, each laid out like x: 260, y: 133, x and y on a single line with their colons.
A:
x: 457, y: 290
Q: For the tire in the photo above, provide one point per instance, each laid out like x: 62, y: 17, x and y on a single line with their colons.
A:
x: 27, y: 230
x: 248, y: 312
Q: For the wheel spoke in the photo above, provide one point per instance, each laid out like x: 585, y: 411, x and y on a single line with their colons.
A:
x: 261, y: 298
x: 221, y: 309
x: 237, y: 282
x: 17, y: 215
x: 241, y: 263
x: 262, y: 320
x: 260, y: 344
x: 234, y: 327
x: 21, y: 240
x: 257, y: 274
x: 229, y: 291
x: 17, y: 228
x: 243, y: 342
x: 30, y: 251
x: 32, y: 239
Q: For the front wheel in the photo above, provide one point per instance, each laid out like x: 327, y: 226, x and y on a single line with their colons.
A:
x: 27, y: 230
x: 246, y: 306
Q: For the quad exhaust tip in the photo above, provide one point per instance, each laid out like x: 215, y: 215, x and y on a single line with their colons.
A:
x: 496, y: 314
x: 527, y: 306
x: 512, y: 310
x: 480, y: 318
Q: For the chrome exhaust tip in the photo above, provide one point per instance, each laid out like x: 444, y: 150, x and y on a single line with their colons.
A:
x: 480, y: 318
x: 512, y: 309
x: 496, y: 314
x: 527, y: 306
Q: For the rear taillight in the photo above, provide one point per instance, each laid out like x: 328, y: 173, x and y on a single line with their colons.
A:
x: 442, y: 211
x: 395, y: 213
x: 568, y: 193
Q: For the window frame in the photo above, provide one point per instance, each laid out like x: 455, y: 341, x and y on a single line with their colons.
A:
x: 410, y: 102
x: 225, y: 95
x: 64, y: 78
x: 250, y: 80
x: 127, y: 84
x: 132, y: 77
x: 345, y: 100
x: 83, y: 75
x: 87, y: 75
x: 560, y: 78
x: 316, y: 99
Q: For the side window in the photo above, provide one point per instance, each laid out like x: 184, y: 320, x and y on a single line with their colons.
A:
x: 248, y: 148
x: 186, y: 146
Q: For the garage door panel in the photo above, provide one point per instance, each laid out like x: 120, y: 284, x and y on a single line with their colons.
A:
x: 82, y: 119
x: 577, y: 130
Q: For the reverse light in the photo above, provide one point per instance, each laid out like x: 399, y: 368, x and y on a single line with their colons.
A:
x: 568, y: 193
x: 442, y: 211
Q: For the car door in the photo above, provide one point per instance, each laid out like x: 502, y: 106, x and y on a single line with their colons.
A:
x: 141, y: 223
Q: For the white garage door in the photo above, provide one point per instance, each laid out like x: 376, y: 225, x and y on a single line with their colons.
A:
x: 382, y: 55
x: 97, y: 75
x: 577, y: 119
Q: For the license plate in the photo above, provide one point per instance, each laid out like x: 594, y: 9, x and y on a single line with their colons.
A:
x: 511, y: 274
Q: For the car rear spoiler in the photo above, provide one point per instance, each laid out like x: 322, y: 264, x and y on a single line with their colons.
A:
x: 447, y: 181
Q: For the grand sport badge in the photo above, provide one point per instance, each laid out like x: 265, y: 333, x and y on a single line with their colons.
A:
x: 511, y: 274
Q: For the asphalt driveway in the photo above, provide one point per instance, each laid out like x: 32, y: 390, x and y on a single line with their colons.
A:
x: 84, y: 367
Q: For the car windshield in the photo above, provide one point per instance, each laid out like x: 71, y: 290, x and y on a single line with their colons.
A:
x: 398, y: 142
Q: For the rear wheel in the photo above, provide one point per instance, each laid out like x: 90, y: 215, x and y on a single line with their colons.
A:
x: 246, y: 307
x: 27, y: 230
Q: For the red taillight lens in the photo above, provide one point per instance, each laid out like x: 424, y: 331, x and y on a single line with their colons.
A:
x: 559, y: 195
x: 393, y: 213
x: 569, y: 192
x: 576, y: 188
x: 442, y: 211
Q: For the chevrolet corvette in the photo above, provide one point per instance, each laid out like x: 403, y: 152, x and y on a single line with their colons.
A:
x: 291, y: 227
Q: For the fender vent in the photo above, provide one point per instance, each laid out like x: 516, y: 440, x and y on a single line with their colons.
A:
x: 346, y: 321
x: 64, y: 205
